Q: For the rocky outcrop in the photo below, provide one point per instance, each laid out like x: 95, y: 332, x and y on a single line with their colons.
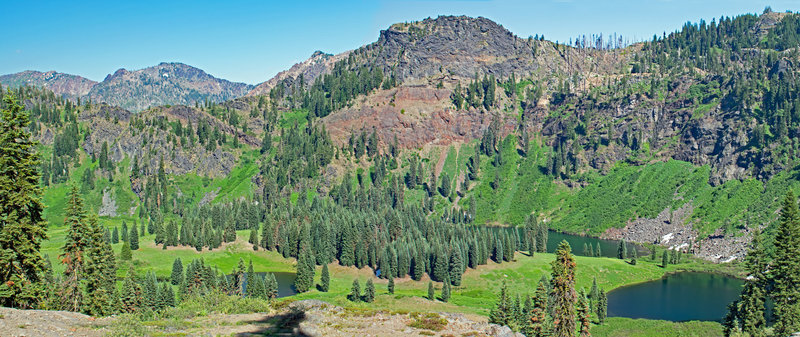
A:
x: 45, y: 323
x: 323, y: 319
x: 71, y: 86
x: 319, y: 63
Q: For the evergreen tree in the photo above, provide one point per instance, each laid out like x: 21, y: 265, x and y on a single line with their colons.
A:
x: 115, y: 236
x: 456, y: 269
x: 446, y: 290
x: 563, y: 292
x: 431, y: 293
x: 598, y: 252
x: 355, y: 292
x: 125, y: 252
x: 325, y: 279
x: 22, y: 228
x: 73, y: 256
x: 305, y: 271
x: 622, y: 250
x: 729, y: 322
x: 602, y: 307
x: 101, y: 270
x: 390, y: 287
x: 594, y: 295
x: 254, y: 238
x: 369, y: 291
x: 502, y: 312
x: 538, y: 316
x: 664, y: 260
x: 751, y: 309
x: 786, y: 273
x: 177, y: 272
x: 583, y: 315
x: 133, y: 237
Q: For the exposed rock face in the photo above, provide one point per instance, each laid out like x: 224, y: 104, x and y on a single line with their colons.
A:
x: 166, y: 83
x: 71, y: 86
x: 15, y: 322
x: 319, y: 63
x: 323, y: 319
x: 109, y: 206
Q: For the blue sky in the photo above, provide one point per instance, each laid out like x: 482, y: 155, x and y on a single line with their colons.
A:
x: 250, y: 41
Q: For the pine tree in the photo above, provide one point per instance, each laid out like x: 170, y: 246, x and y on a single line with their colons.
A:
x: 431, y: 291
x: 754, y: 295
x: 602, y: 307
x: 101, y: 270
x: 563, y: 292
x: 456, y: 267
x: 355, y: 292
x: 125, y: 252
x: 729, y: 322
x: 73, y: 256
x: 583, y: 315
x: 664, y: 260
x: 133, y: 237
x: 390, y: 287
x: 786, y: 273
x: 115, y: 236
x: 538, y: 316
x: 325, y: 279
x: 305, y: 271
x: 598, y: 252
x: 177, y: 272
x: 446, y: 290
x: 249, y: 288
x: 501, y: 314
x: 254, y: 238
x: 622, y: 250
x: 369, y: 292
x: 22, y: 228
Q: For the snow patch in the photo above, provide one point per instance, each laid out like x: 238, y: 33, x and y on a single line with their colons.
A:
x: 666, y: 238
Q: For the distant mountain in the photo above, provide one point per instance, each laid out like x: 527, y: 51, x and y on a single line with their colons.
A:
x: 319, y: 63
x: 72, y: 86
x: 164, y: 84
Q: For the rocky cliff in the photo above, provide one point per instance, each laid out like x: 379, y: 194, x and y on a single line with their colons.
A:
x: 71, y: 86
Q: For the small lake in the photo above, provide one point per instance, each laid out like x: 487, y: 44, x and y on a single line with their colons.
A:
x: 684, y: 296
x: 285, y: 283
x: 608, y: 248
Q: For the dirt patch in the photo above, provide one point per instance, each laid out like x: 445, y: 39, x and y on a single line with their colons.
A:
x: 14, y: 322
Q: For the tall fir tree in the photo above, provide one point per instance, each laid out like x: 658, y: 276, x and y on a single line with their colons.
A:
x: 786, y: 272
x: 563, y: 292
x: 369, y: 291
x: 101, y: 270
x: 78, y: 240
x: 431, y: 291
x: 355, y: 291
x: 22, y: 228
x: 390, y: 286
x: 176, y: 277
x: 602, y: 307
x: 305, y: 271
x: 133, y: 237
x: 583, y: 315
x: 538, y: 319
x: 325, y: 279
x: 752, y: 308
x: 446, y: 290
x: 125, y: 252
x: 502, y: 312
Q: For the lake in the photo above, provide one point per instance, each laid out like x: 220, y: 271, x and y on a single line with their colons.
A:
x: 608, y: 248
x: 285, y: 283
x: 684, y: 296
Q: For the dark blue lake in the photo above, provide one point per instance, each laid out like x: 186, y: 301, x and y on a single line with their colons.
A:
x: 684, y: 296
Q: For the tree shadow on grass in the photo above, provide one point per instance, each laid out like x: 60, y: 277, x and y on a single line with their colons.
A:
x: 280, y: 325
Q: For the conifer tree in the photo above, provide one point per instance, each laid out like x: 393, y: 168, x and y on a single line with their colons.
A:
x: 390, y: 286
x: 538, y: 316
x: 583, y: 315
x: 73, y: 256
x: 501, y: 314
x: 133, y: 237
x: 786, y: 273
x: 369, y: 291
x: 271, y: 286
x: 431, y: 291
x: 254, y: 238
x: 251, y: 280
x: 22, y: 228
x: 622, y: 250
x: 131, y: 295
x: 598, y: 252
x: 446, y: 290
x: 115, y: 236
x: 563, y: 292
x: 664, y: 259
x: 125, y: 252
x: 602, y: 307
x: 101, y: 270
x: 325, y: 279
x: 751, y: 309
x: 419, y: 267
x: 177, y: 272
x: 594, y: 295
x: 456, y: 267
x: 355, y: 292
x: 305, y: 271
